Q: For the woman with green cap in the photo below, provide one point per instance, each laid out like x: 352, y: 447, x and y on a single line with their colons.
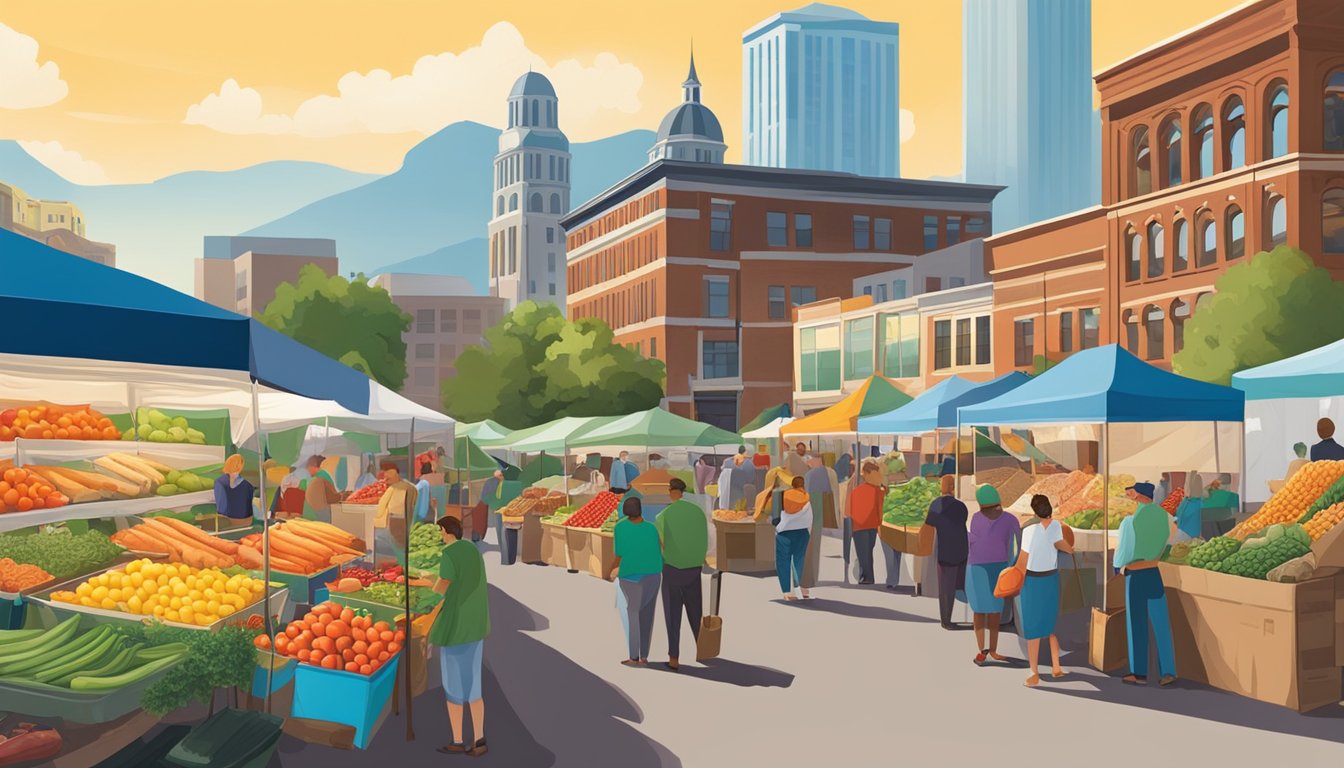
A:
x: 995, y: 538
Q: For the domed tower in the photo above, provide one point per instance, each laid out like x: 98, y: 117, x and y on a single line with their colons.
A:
x: 690, y: 132
x: 531, y: 193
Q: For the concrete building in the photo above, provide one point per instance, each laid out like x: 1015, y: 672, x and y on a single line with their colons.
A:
x: 57, y: 223
x: 1221, y: 142
x: 446, y: 317
x: 531, y: 193
x: 820, y: 91
x: 1028, y: 123
x: 240, y: 274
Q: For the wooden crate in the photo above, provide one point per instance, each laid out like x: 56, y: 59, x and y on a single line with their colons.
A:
x: 744, y: 546
x: 553, y: 548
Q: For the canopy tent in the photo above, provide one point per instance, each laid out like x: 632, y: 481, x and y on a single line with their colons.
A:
x: 767, y: 416
x: 482, y: 431
x: 654, y: 428
x: 919, y: 416
x: 769, y: 430
x: 539, y: 467
x: 1317, y: 373
x: 947, y: 410
x: 551, y: 437
x: 876, y: 395
x: 469, y: 458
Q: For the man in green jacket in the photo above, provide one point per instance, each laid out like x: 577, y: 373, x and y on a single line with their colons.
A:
x: 684, y: 533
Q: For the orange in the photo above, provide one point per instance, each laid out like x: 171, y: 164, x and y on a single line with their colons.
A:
x: 25, y: 504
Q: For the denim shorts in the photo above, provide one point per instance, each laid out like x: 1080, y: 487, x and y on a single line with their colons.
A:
x: 460, y: 668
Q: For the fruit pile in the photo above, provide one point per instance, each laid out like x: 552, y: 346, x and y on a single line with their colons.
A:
x: 1332, y: 496
x: 16, y: 577
x: 333, y: 637
x: 908, y: 503
x: 560, y: 516
x: 730, y: 515
x: 1173, y: 500
x: 175, y: 482
x: 426, y: 546
x: 1324, y: 520
x: 22, y: 490
x: 369, y: 494
x: 305, y: 546
x: 170, y: 592
x: 1260, y: 555
x: 56, y: 422
x: 595, y: 513
x: 98, y: 660
x: 1213, y: 551
x: 1293, y: 499
x: 157, y: 427
x: 365, y: 576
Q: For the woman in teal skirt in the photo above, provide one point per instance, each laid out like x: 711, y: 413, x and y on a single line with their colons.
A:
x: 994, y: 537
x: 1041, y: 545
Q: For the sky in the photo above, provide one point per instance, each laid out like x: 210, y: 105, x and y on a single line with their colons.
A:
x: 134, y: 90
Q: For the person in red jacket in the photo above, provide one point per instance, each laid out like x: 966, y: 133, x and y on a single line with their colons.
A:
x: 865, y: 512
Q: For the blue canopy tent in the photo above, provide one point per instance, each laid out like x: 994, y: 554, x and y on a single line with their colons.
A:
x: 919, y: 416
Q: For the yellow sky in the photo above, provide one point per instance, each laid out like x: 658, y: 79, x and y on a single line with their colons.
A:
x: 133, y: 69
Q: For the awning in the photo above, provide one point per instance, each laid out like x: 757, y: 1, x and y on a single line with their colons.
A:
x: 655, y: 428
x: 876, y: 395
x: 769, y: 431
x: 772, y: 414
x: 919, y: 416
x: 1318, y: 373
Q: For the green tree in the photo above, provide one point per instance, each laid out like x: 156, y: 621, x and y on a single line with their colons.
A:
x: 537, y: 366
x: 350, y: 321
x: 1277, y: 305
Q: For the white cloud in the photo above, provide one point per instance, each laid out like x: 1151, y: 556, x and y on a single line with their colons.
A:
x: 439, y: 89
x: 68, y: 163
x: 24, y: 82
x: 907, y: 125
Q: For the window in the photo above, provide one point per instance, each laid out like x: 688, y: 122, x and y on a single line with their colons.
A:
x: 550, y: 263
x: 1142, y: 180
x: 1171, y: 152
x: 534, y: 203
x: 882, y: 234
x: 953, y: 230
x: 1066, y: 332
x: 447, y: 354
x: 819, y: 358
x: 1278, y: 122
x: 930, y: 233
x: 448, y: 321
x: 424, y: 351
x: 859, y: 348
x: 956, y: 282
x: 550, y: 234
x: 880, y: 293
x: 1334, y: 111
x: 424, y: 377
x: 1332, y: 221
x: 900, y: 346
x: 802, y: 230
x: 1154, y: 324
x: 982, y: 340
x: 531, y: 286
x: 898, y: 289
x: 653, y: 347
x: 1131, y: 324
x: 550, y: 289
x: 471, y: 321
x: 774, y: 301
x: 1207, y: 242
x: 777, y: 229
x: 1156, y: 250
x: 513, y: 202
x: 860, y: 233
x: 1089, y: 322
x: 1203, y: 132
x: 499, y: 206
x: 716, y: 297
x: 720, y: 226
x: 964, y: 341
x: 802, y: 294
x: 1024, y: 342
x: 1234, y: 134
x: 1133, y: 254
x: 1278, y: 222
x: 1180, y: 312
x: 720, y: 359
x: 933, y: 284
x: 975, y: 227
x: 942, y: 344
x: 1180, y: 247
x: 1236, y: 233
x: 424, y: 321
x: 555, y: 202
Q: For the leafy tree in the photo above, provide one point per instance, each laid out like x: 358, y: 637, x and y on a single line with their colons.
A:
x: 538, y: 366
x: 1277, y: 305
x: 350, y: 321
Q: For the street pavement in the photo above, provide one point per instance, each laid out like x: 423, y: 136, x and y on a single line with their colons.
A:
x: 858, y: 676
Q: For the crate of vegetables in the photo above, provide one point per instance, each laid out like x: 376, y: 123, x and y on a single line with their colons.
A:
x: 369, y: 494
x: 595, y: 513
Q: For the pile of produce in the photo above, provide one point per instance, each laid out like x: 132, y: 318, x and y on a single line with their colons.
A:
x: 333, y: 637
x: 423, y: 599
x: 1213, y: 551
x: 22, y: 490
x: 559, y: 516
x: 306, y: 546
x: 1262, y: 554
x: 1293, y: 500
x: 908, y: 503
x: 1179, y: 553
x: 730, y: 515
x: 185, y: 543
x: 1332, y: 496
x: 176, y: 482
x: 156, y: 427
x: 369, y: 494
x: 595, y: 513
x: 120, y: 475
x: 56, y: 422
x: 1010, y: 482
x: 62, y: 554
x: 221, y: 659
x: 16, y: 577
x: 170, y: 592
x: 609, y: 525
x: 1094, y: 520
x: 1173, y: 500
x: 96, y: 661
x: 1076, y: 492
x: 1324, y: 520
x: 426, y: 546
x: 365, y: 576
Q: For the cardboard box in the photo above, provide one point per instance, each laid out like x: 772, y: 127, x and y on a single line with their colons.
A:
x: 744, y: 546
x: 529, y: 544
x: 553, y: 549
x: 1108, y: 640
x: 905, y: 539
x: 1271, y: 642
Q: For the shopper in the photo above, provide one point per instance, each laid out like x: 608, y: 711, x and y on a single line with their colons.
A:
x: 1189, y: 515
x: 370, y: 474
x: 425, y: 504
x: 1327, y: 449
x: 1041, y: 545
x: 623, y: 473
x: 395, y: 505
x: 865, y: 513
x: 638, y: 572
x: 704, y: 474
x: 459, y: 630
x: 684, y: 534
x: 796, y: 462
x: 762, y: 457
x: 1143, y: 538
x: 320, y: 493
x: 844, y: 467
x: 947, y: 519
x: 791, y: 539
x: 820, y: 492
x: 233, y: 493
x: 994, y: 540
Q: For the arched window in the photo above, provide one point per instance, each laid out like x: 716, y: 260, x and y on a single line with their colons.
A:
x: 536, y: 120
x: 1143, y: 163
x: 1234, y: 134
x: 1180, y: 312
x: 1235, y: 237
x: 1206, y: 241
x: 1334, y: 111
x: 534, y: 203
x: 1277, y: 140
x: 513, y: 202
x: 1171, y: 152
x: 1133, y: 256
x: 1332, y: 221
x: 1154, y: 325
x: 555, y: 203
x: 1156, y: 250
x: 1131, y: 323
x: 499, y: 206
x: 1201, y: 299
x: 1180, y: 250
x: 1276, y: 215
x: 1202, y: 122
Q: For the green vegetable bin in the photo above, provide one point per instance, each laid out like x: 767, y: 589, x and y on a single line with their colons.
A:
x: 39, y: 700
x: 304, y: 588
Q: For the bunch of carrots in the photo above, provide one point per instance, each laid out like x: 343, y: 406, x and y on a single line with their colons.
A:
x: 185, y: 543
x: 306, y: 546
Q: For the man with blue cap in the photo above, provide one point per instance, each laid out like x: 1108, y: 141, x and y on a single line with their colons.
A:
x: 1143, y: 538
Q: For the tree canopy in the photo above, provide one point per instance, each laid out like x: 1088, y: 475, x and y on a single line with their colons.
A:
x: 1277, y: 305
x: 537, y: 366
x: 350, y: 321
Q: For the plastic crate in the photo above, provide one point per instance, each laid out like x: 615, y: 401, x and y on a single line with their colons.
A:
x: 337, y: 696
x: 38, y: 700
x: 282, y: 673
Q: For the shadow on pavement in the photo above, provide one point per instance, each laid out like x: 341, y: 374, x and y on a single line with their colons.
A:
x: 824, y: 605
x: 737, y: 673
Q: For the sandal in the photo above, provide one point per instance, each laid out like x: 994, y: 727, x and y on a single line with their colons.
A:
x: 980, y: 659
x: 478, y: 749
x: 790, y: 597
x: 1058, y: 673
x: 452, y: 749
x: 630, y: 662
x: 1033, y: 681
x: 1134, y: 680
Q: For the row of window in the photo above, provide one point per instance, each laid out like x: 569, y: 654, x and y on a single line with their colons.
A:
x: 542, y: 113
x: 1088, y: 334
x: 1151, y: 323
x: 535, y: 204
x: 718, y: 359
x: 638, y: 347
x: 619, y: 259
x: 631, y: 211
x: 945, y: 355
x: 867, y: 233
x: 798, y: 295
x: 888, y: 343
x: 632, y: 303
x: 504, y: 252
x: 517, y: 167
x: 447, y: 321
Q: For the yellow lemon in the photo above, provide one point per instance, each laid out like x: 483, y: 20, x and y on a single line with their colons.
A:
x: 212, y: 607
x: 198, y: 606
x: 246, y: 595
x: 203, y: 620
x: 180, y: 590
x: 186, y: 615
x: 175, y: 603
x: 134, y: 605
x: 88, y: 602
x: 99, y: 593
x: 83, y: 590
x: 159, y: 611
x: 114, y: 595
x: 225, y: 610
x: 136, y: 579
x: 109, y: 605
x: 171, y: 615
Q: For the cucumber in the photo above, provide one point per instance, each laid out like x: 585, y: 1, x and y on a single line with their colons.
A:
x: 53, y: 656
x: 119, y: 662
x: 93, y: 655
x: 55, y: 636
x: 58, y: 641
x: 15, y: 635
x: 112, y: 682
x: 155, y: 652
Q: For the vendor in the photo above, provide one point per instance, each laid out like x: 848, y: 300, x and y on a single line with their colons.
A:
x: 390, y: 521
x: 233, y: 494
x: 426, y: 506
x: 370, y: 474
x: 623, y: 473
x: 762, y: 457
x: 321, y: 491
x: 796, y: 462
x: 1327, y: 449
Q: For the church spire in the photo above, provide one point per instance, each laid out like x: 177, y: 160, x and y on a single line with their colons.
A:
x: 690, y: 88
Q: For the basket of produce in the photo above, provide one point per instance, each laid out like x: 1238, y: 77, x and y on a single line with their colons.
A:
x: 22, y: 490
x: 732, y: 515
x: 369, y: 494
x: 908, y: 503
x: 386, y: 601
x: 595, y: 513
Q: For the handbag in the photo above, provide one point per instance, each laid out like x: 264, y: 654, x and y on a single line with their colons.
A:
x: 710, y: 638
x: 1010, y: 582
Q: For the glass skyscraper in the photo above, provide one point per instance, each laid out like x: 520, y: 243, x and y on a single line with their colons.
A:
x: 820, y: 91
x: 1028, y: 118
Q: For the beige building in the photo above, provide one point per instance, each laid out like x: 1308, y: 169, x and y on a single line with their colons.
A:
x: 446, y: 317
x: 57, y: 223
x: 240, y: 274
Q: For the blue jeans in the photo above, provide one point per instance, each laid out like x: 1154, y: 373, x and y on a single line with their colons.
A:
x: 790, y: 553
x: 863, y: 550
x: 1146, y: 603
x: 636, y: 599
x: 893, y: 559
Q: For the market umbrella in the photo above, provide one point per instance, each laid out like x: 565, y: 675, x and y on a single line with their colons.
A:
x: 551, y: 437
x: 482, y: 431
x: 769, y: 430
x: 919, y: 416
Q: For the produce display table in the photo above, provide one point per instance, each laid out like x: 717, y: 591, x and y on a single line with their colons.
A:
x: 744, y: 546
x: 529, y: 540
x: 904, y: 539
x: 554, y: 550
x: 591, y: 550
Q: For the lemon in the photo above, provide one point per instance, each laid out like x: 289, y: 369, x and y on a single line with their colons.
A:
x: 134, y: 565
x: 99, y: 593
x: 114, y: 579
x: 171, y: 615
x: 114, y: 595
x: 83, y: 590
x: 159, y: 611
x: 203, y: 620
x: 219, y: 584
x: 136, y: 579
x: 88, y: 602
x: 245, y: 594
x: 180, y: 590
x: 225, y: 610
x: 134, y: 604
x: 101, y: 580
x: 110, y: 605
x: 198, y: 606
x: 186, y: 616
x: 176, y: 603
x: 212, y: 607
x: 232, y: 600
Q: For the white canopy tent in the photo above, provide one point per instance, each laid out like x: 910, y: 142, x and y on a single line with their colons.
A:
x: 769, y: 430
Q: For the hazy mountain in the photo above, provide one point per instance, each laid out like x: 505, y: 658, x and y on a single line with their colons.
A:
x: 449, y: 260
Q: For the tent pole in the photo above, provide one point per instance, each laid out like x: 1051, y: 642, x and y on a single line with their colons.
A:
x: 410, y: 628
x: 266, y: 541
x: 1105, y: 511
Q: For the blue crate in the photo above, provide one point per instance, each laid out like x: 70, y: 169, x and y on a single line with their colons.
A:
x: 337, y: 696
x: 282, y: 676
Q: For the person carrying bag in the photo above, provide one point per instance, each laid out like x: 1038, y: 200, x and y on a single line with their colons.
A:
x: 708, y: 642
x: 792, y: 535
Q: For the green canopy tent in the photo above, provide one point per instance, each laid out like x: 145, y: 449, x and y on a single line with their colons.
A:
x: 766, y: 416
x: 482, y: 432
x: 655, y: 428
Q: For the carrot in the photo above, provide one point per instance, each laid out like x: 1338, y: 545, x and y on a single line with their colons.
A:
x: 223, y: 546
x: 133, y: 539
x: 325, y: 531
x: 88, y: 479
x: 282, y: 548
x: 169, y: 534
x: 249, y: 557
x: 314, y: 549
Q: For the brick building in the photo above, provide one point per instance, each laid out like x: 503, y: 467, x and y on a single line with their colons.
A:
x: 1219, y: 143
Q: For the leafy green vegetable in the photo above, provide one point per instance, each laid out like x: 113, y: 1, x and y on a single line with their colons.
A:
x: 61, y: 553
x: 223, y: 659
x: 423, y: 600
x: 426, y: 546
x: 908, y: 503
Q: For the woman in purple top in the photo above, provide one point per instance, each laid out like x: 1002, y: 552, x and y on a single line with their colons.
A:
x: 995, y: 537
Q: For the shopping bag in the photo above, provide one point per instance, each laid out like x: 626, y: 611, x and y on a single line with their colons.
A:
x: 1010, y: 582
x: 707, y: 643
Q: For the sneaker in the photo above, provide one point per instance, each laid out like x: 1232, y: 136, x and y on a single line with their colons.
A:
x: 478, y: 749
x: 1134, y: 680
x: 1166, y: 680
